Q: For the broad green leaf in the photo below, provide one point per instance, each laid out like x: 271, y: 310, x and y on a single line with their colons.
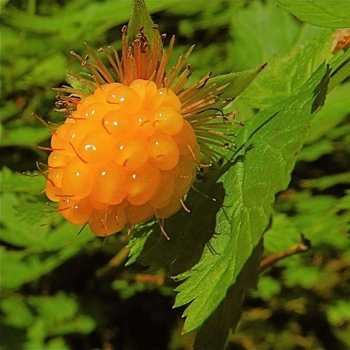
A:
x: 341, y: 69
x: 334, y: 111
x: 19, y: 183
x: 324, y: 13
x: 261, y: 31
x: 286, y: 74
x: 23, y: 266
x: 213, y: 333
x: 24, y: 136
x: 42, y: 73
x: 317, y: 219
x: 262, y: 166
x: 137, y: 243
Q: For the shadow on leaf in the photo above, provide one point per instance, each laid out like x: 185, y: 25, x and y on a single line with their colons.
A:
x: 188, y: 232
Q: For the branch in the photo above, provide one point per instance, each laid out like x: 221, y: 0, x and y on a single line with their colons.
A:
x: 302, y: 246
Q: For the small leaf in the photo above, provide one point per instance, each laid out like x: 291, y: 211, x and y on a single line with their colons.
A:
x: 323, y: 13
x: 140, y: 18
x: 76, y: 83
x: 237, y: 82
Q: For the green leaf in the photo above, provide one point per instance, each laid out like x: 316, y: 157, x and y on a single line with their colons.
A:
x: 324, y: 182
x: 42, y: 73
x: 213, y: 333
x: 25, y: 136
x: 23, y: 266
x: 268, y: 287
x: 262, y: 166
x: 335, y: 111
x: 285, y: 75
x: 341, y: 67
x: 140, y: 18
x: 17, y: 313
x: 324, y: 13
x: 312, y: 152
x: 237, y: 82
x: 261, y: 31
x: 323, y: 221
x: 188, y: 232
x: 282, y: 235
x: 27, y: 231
x: 137, y: 243
x: 338, y: 312
x: 19, y: 183
x: 76, y: 83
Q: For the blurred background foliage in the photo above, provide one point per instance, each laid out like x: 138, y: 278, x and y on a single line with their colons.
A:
x: 79, y: 295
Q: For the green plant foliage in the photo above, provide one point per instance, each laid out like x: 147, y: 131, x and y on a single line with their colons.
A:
x: 288, y: 175
x: 332, y: 14
x: 243, y: 221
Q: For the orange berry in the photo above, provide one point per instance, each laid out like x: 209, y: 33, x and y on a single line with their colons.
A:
x: 165, y: 190
x: 168, y: 120
x: 58, y: 137
x: 52, y: 191
x: 141, y: 184
x: 145, y: 123
x: 56, y: 159
x: 170, y: 209
x: 125, y: 97
x: 184, y: 175
x: 96, y: 148
x: 75, y: 211
x: 85, y: 102
x: 107, y: 221
x: 165, y: 98
x: 138, y: 213
x: 124, y: 155
x: 96, y: 111
x: 78, y: 179
x: 55, y: 176
x: 186, y: 139
x: 109, y: 185
x: 132, y: 153
x: 120, y: 124
x: 164, y: 151
x: 146, y: 89
x: 102, y: 91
